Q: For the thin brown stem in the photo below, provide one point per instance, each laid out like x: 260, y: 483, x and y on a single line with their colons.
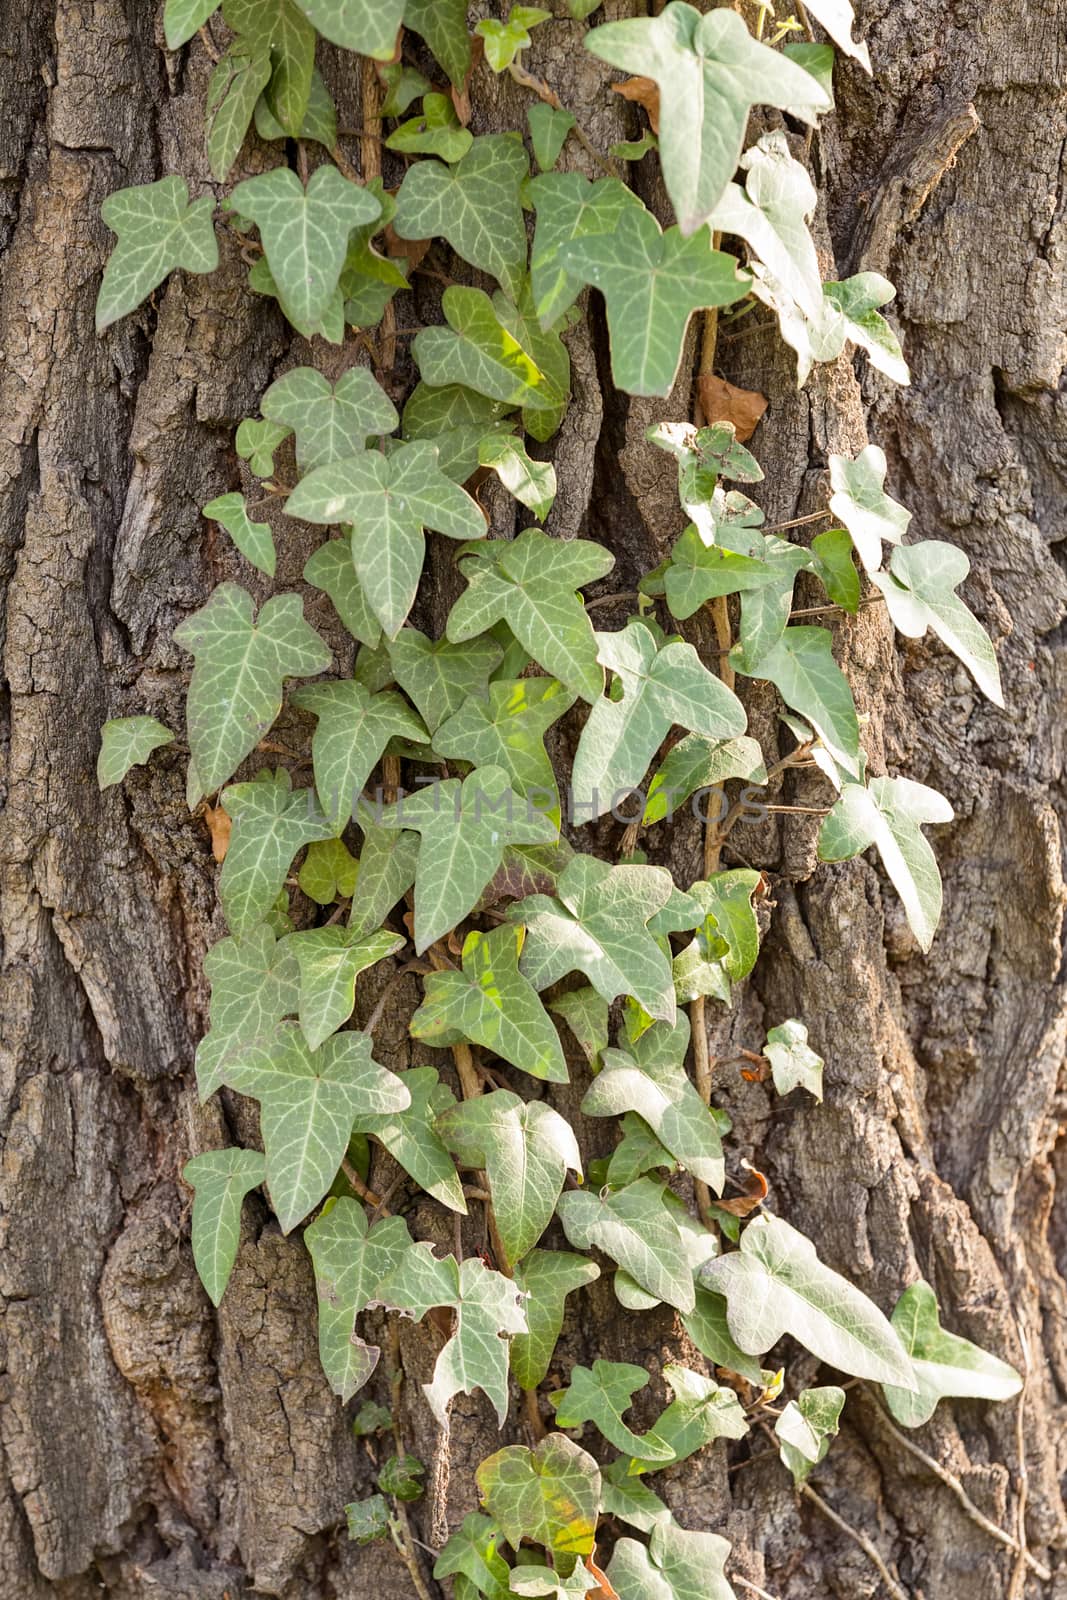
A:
x: 368, y: 1196
x: 869, y: 1549
x: 532, y: 1413
x: 797, y: 522
x: 825, y: 611
x: 545, y: 92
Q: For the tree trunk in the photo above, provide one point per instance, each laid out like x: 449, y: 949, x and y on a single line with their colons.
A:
x: 151, y: 1447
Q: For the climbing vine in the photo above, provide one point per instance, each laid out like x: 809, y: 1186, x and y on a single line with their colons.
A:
x: 437, y: 834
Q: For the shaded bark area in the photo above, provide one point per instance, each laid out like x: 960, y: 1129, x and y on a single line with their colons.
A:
x: 149, y: 1447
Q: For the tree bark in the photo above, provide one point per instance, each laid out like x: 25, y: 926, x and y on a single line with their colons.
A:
x: 151, y: 1447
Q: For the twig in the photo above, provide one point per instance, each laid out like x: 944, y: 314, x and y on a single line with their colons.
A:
x: 209, y: 43
x: 405, y: 1547
x: 822, y: 611
x: 870, y: 1550
x: 1018, y: 1577
x: 532, y: 1411
x: 612, y: 599
x: 797, y: 522
x: 368, y: 1196
x: 544, y: 92
x: 753, y: 1588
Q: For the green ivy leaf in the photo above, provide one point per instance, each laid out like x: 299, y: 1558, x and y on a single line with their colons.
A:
x: 493, y: 1005
x: 331, y: 420
x: 270, y: 824
x: 629, y: 1498
x: 701, y: 1412
x: 675, y: 1565
x: 465, y: 829
x: 652, y: 283
x: 546, y: 1278
x: 330, y: 961
x: 329, y: 872
x: 549, y: 1495
x: 354, y: 728
x: 182, y: 18
x: 305, y: 234
x: 487, y: 349
x: 634, y: 1228
x: 586, y: 1014
x: 443, y: 25
x: 253, y: 986
x: 232, y: 96
x: 534, y: 1579
x: 368, y: 1519
x: 569, y: 206
x: 508, y: 731
x: 601, y: 1394
x: 837, y: 17
x: 277, y: 27
x: 367, y: 26
x: 400, y: 1477
x: 861, y: 503
x: 637, y: 1152
x: 793, y: 1062
x: 663, y: 1096
x: 127, y: 742
x: 221, y: 1179
x: 330, y: 569
x: 254, y: 539
x: 350, y: 1263
x: 486, y: 1306
x: 661, y: 687
x: 710, y: 72
x: 832, y: 553
x: 771, y: 213
x: 888, y: 813
x: 390, y: 500
x: 803, y: 670
x: 308, y: 1101
x: 698, y: 572
x: 776, y: 1284
x: 549, y: 127
x: 533, y: 483
x: 319, y: 121
x: 805, y: 1428
x: 704, y: 455
x: 474, y: 205
x: 850, y: 311
x: 596, y: 924
x: 158, y: 229
x: 943, y: 1365
x: 727, y: 940
x: 504, y: 40
x: 256, y: 443
x: 530, y: 584
x: 436, y: 132
x: 235, y: 692
x: 526, y: 1149
x: 920, y: 593
x: 472, y: 1559
x: 709, y: 1330
x: 411, y: 1138
x: 695, y: 764
x: 439, y: 676
x: 386, y: 873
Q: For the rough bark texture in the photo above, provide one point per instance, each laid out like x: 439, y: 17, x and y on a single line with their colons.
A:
x: 149, y: 1447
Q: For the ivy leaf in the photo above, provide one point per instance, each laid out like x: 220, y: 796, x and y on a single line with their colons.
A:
x: 805, y: 1428
x: 832, y: 553
x: 465, y: 829
x: 530, y: 584
x: 771, y: 214
x: 634, y: 1228
x: 329, y: 872
x: 549, y: 1495
x: 493, y: 1005
x: 319, y: 121
x: 569, y: 206
x: 386, y: 873
x: 920, y: 593
x: 652, y: 282
x: 727, y: 941
x: 221, y: 1179
x: 471, y: 1557
x: 436, y: 132
x: 254, y: 539
x: 330, y: 569
x: 695, y: 764
x: 390, y: 500
x: 526, y: 1149
x: 158, y: 229
x: 277, y: 27
x: 253, y: 986
x: 837, y: 17
x: 586, y: 1014
x: 701, y: 1412
x: 331, y: 420
x: 305, y: 234
x: 675, y: 1565
x: 354, y: 728
x: 533, y: 483
x: 486, y: 1306
x: 698, y: 572
x: 888, y: 813
x: 367, y: 26
x: 663, y: 1095
x: 256, y: 443
x: 860, y: 502
x: 182, y: 18
x: 637, y: 1152
x: 850, y: 311
x: 531, y: 1578
x: 443, y: 25
x: 330, y: 961
x: 410, y: 1137
x: 270, y: 824
x: 367, y: 1519
x: 442, y: 677
x: 485, y: 348
x: 600, y: 1395
x: 710, y: 72
x: 474, y: 205
x: 776, y: 1284
x: 235, y: 692
x: 127, y: 742
x: 630, y: 1499
x: 546, y: 1278
x: 504, y: 40
x: 308, y: 1101
x: 233, y: 93
x: 943, y: 1365
x: 549, y: 127
x: 793, y: 1063
x: 508, y: 731
x: 596, y: 924
x: 709, y: 1330
x: 431, y: 413
x: 662, y: 686
x: 350, y: 1261
x: 704, y: 455
x: 803, y: 670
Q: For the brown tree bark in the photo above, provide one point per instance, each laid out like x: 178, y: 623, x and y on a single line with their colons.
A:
x: 149, y: 1447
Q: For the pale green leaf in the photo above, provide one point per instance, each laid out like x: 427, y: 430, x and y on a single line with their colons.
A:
x: 233, y: 93
x: 254, y: 539
x: 182, y: 18
x: 330, y: 569
x: 535, y: 1580
x: 569, y: 206
x: 533, y: 483
x: 270, y: 824
x: 319, y: 121
x: 354, y: 728
x: 832, y: 553
x: 860, y: 502
x: 634, y: 1228
x: 330, y: 326
x: 549, y: 127
x: 471, y: 1556
x: 235, y: 692
x: 329, y: 872
x: 485, y: 348
x: 664, y: 1097
x: 436, y: 131
x: 698, y: 572
x: 350, y: 1263
x: 127, y: 742
x: 549, y: 1495
x: 943, y: 1364
x: 803, y: 670
x: 443, y: 25
x: 709, y: 1330
x: 256, y: 443
x: 635, y: 149
x: 330, y: 960
x: 586, y: 1014
x: 629, y: 1498
x: 704, y: 455
x: 411, y: 1138
x: 805, y: 1428
x: 158, y: 229
x: 837, y: 17
x: 850, y: 311
x: 508, y: 731
x: 637, y: 1152
x: 675, y: 1565
x: 439, y: 676
x: 221, y: 1179
x: 278, y: 27
x: 369, y: 26
x: 254, y: 984
x: 386, y: 873
x: 772, y: 213
x: 710, y: 72
x: 695, y: 764
x: 601, y: 1394
x: 920, y: 593
x: 474, y: 205
x: 794, y: 1064
x: 700, y: 1412
x: 775, y: 1284
x: 367, y: 1520
x: 504, y: 40
x: 546, y: 1278
x: 331, y: 420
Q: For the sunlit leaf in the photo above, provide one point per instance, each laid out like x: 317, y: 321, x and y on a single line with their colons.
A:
x: 943, y: 1365
x: 411, y: 1138
x: 350, y: 1263
x: 861, y: 503
x: 546, y: 1278
x: 805, y: 1428
x: 634, y: 1228
x: 550, y: 1495
x: 920, y: 593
